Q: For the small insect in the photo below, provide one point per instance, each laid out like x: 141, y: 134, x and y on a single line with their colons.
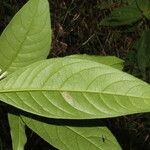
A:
x: 102, y: 138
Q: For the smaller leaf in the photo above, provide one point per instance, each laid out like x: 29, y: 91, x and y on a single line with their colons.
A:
x: 27, y: 37
x: 70, y: 88
x: 123, y: 16
x: 144, y: 6
x: 18, y: 134
x: 143, y: 48
x: 72, y: 137
x: 106, y: 60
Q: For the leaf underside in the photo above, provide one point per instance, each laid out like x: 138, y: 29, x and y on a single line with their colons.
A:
x: 123, y: 16
x: 17, y: 128
x: 25, y: 40
x: 56, y: 134
x: 27, y: 37
x: 75, y: 89
x: 74, y: 138
x: 112, y: 61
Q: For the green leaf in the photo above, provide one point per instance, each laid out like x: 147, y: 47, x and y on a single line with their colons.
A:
x: 17, y: 132
x: 123, y: 16
x: 75, y: 89
x: 27, y: 37
x: 144, y: 6
x: 143, y: 51
x: 24, y: 41
x: 106, y: 60
x: 74, y: 138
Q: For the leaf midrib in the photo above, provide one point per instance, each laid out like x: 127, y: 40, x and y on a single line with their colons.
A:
x: 81, y: 91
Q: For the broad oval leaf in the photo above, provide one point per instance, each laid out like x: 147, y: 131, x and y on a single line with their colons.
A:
x: 27, y: 37
x: 74, y: 138
x: 75, y: 89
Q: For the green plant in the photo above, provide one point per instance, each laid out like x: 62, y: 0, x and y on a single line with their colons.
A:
x: 73, y: 87
x: 143, y: 54
x: 134, y: 13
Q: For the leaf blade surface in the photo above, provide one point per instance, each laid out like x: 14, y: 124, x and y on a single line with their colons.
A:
x: 75, y: 89
x: 18, y: 134
x: 73, y: 137
x: 112, y: 61
x: 143, y: 54
x: 27, y: 37
x: 123, y: 16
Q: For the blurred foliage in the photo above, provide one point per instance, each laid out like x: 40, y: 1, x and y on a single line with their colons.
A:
x: 143, y: 53
x: 77, y: 29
